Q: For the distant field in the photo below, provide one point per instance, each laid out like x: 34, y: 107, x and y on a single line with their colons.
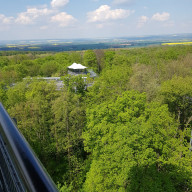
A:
x: 59, y: 45
x: 178, y: 43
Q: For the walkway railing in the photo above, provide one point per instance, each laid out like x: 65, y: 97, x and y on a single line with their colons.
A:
x: 20, y: 170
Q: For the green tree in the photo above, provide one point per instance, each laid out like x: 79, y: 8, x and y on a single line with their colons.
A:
x: 30, y: 103
x: 181, y: 67
x: 145, y: 78
x: 75, y: 57
x: 49, y: 68
x: 90, y: 60
x: 4, y: 61
x: 9, y: 75
x: 177, y: 93
x: 111, y: 83
x: 32, y: 68
x: 100, y: 58
x: 21, y: 71
x: 134, y: 148
x: 16, y: 94
x: 108, y: 58
x: 63, y: 61
x: 69, y: 121
x: 76, y: 84
x: 3, y: 92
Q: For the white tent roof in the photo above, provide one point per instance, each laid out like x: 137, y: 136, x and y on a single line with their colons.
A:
x: 76, y: 66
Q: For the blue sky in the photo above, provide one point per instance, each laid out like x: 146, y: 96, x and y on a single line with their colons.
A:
x: 65, y: 19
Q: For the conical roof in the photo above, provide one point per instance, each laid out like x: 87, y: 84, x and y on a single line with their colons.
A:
x: 76, y: 66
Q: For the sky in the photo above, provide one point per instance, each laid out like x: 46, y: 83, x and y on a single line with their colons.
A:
x: 73, y: 19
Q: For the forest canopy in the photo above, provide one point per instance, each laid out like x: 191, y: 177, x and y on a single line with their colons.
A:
x: 129, y: 131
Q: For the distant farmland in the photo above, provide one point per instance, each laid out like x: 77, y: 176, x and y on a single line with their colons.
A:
x: 85, y: 44
x: 178, y: 43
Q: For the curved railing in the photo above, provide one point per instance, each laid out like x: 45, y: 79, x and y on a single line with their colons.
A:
x: 20, y: 169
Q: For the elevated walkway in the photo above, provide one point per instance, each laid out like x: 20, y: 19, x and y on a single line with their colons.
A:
x: 20, y: 169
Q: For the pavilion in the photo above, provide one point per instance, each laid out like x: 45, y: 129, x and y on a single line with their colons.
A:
x: 77, y: 69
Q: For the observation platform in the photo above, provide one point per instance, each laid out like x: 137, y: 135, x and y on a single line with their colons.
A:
x: 20, y: 169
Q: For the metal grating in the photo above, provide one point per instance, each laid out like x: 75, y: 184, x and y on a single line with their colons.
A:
x: 9, y: 180
x: 20, y: 169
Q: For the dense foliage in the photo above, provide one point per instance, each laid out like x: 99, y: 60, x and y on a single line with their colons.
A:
x: 129, y: 131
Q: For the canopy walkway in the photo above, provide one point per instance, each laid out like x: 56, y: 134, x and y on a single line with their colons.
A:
x: 20, y: 170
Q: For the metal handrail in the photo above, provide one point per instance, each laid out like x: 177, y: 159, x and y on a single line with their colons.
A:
x: 21, y: 159
x: 191, y: 142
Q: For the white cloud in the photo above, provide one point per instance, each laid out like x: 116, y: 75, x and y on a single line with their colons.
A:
x: 156, y: 17
x: 24, y: 19
x: 63, y: 19
x: 59, y: 3
x: 6, y: 20
x: 142, y: 20
x: 5, y: 23
x: 44, y: 27
x: 118, y: 2
x: 161, y: 17
x: 31, y: 15
x: 41, y: 16
x: 100, y: 26
x: 105, y: 13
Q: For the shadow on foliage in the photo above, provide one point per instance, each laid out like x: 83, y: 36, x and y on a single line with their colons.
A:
x: 159, y: 178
